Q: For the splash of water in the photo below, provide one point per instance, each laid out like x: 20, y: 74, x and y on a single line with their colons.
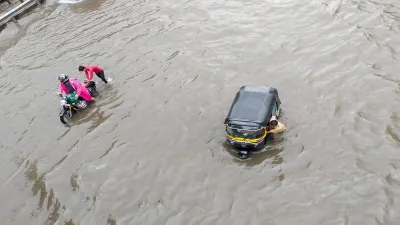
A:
x: 70, y: 1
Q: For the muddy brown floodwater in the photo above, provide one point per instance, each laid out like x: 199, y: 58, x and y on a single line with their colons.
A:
x: 151, y: 150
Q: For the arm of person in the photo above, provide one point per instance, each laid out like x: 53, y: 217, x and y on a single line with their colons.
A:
x: 89, y: 74
x: 59, y: 91
x: 86, y: 83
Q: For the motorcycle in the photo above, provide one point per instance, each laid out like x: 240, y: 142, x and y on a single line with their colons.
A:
x: 70, y: 105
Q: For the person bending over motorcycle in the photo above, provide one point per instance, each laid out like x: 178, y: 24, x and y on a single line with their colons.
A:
x: 71, y: 85
x: 89, y: 70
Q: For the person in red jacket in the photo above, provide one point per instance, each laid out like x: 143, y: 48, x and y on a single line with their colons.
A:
x: 89, y: 70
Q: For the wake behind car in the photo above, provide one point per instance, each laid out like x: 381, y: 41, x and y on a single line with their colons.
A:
x: 249, y: 117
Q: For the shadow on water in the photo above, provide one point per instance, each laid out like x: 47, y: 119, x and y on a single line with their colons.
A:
x: 39, y: 188
x: 271, y: 151
x: 53, y: 205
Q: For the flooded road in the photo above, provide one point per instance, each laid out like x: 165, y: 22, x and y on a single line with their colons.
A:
x: 151, y: 150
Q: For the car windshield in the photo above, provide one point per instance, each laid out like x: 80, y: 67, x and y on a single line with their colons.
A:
x: 242, y: 133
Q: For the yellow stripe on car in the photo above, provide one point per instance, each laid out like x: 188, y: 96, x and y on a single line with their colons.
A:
x: 248, y: 139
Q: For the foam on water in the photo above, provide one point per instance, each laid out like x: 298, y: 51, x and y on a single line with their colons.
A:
x: 70, y: 1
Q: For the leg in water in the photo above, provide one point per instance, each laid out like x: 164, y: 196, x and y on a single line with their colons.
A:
x: 102, y: 76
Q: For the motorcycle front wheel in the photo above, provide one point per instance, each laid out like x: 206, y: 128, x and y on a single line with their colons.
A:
x: 66, y: 117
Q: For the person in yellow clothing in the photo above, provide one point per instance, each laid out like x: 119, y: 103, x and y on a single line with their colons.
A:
x: 276, y: 126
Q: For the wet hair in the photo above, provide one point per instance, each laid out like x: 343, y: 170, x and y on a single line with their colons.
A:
x: 81, y: 68
x: 273, y: 122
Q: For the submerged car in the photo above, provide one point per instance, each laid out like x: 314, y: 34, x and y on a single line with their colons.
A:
x: 249, y: 117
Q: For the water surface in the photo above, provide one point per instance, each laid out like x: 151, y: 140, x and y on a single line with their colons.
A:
x: 151, y: 150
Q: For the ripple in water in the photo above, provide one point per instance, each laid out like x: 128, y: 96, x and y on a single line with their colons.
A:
x: 151, y: 150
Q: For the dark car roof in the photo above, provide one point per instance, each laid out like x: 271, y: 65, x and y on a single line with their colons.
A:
x: 253, y: 105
